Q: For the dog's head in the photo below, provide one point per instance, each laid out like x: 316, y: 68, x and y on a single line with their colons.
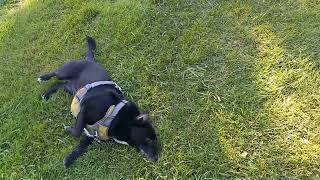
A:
x: 144, y: 138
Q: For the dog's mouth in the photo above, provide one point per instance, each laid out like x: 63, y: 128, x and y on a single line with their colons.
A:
x: 150, y: 153
x: 150, y: 157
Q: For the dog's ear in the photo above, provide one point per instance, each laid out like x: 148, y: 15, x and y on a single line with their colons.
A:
x: 132, y: 109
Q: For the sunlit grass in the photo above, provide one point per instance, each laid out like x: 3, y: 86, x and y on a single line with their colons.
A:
x: 293, y: 111
x: 7, y: 14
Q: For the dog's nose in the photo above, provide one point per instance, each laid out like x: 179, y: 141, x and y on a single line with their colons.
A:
x: 154, y: 159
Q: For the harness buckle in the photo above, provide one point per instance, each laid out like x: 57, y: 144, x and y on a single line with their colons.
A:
x: 95, y: 136
x: 87, y: 133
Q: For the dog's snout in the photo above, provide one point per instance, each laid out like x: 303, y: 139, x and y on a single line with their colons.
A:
x: 155, y: 159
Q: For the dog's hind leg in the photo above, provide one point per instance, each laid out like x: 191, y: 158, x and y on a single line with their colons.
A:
x: 55, y: 88
x: 81, y: 148
x: 67, y: 71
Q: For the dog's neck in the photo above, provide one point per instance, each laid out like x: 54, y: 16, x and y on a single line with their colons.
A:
x: 120, y: 128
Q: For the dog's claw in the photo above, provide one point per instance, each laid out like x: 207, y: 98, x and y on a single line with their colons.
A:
x: 39, y: 80
x: 44, y: 97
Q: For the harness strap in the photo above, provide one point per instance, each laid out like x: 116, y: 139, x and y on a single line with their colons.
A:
x: 101, y: 127
x: 75, y: 105
x: 99, y: 83
x: 107, y: 119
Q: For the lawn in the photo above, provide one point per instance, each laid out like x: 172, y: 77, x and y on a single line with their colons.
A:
x: 232, y: 86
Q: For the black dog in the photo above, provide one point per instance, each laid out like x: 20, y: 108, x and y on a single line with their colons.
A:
x: 123, y: 122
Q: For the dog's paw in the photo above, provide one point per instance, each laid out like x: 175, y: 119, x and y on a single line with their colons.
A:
x: 69, y: 130
x: 66, y: 128
x: 67, y: 161
x: 72, y: 131
x: 39, y: 80
x: 45, y: 97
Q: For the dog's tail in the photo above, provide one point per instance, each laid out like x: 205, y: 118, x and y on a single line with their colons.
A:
x: 91, y: 44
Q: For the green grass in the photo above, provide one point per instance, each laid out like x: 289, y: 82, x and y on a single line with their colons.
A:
x: 232, y: 86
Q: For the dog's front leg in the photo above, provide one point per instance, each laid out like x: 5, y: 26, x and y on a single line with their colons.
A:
x: 82, y: 147
x: 80, y: 124
x: 54, y: 89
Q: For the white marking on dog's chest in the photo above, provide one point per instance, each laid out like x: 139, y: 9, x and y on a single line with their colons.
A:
x: 120, y: 142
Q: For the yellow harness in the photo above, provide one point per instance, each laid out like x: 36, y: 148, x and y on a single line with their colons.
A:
x: 99, y: 130
x: 75, y: 104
